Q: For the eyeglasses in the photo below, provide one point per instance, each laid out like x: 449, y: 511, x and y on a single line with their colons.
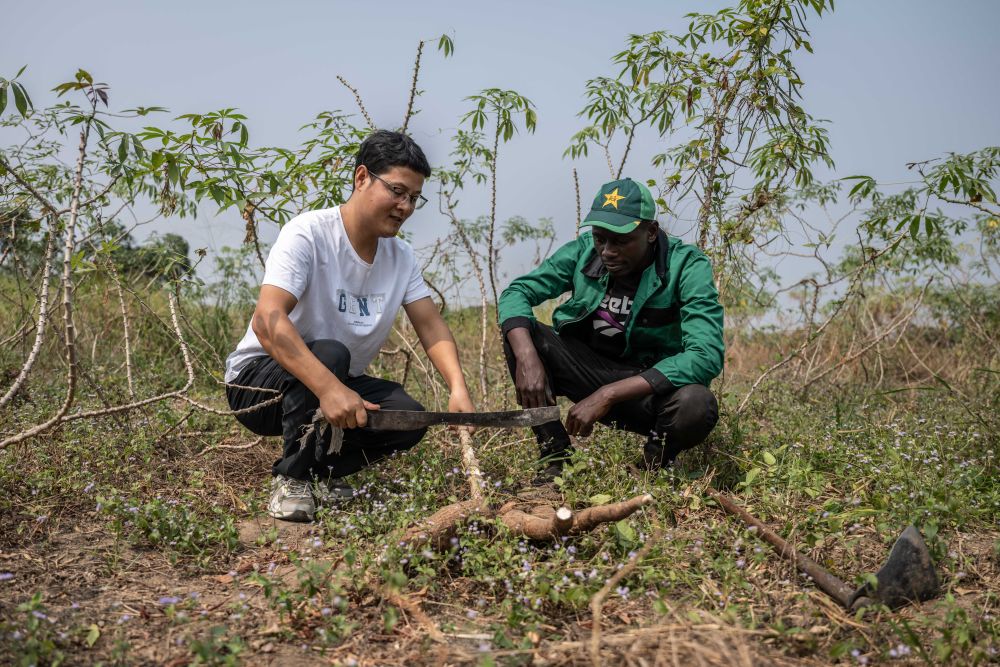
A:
x: 399, y: 193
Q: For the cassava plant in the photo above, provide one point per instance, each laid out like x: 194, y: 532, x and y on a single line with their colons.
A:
x: 725, y: 96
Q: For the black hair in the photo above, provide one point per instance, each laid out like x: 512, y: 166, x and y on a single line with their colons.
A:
x: 382, y: 150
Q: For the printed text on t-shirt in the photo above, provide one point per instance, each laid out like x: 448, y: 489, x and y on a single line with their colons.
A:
x: 360, y: 305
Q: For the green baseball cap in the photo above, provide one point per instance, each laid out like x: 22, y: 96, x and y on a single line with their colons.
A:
x: 620, y: 206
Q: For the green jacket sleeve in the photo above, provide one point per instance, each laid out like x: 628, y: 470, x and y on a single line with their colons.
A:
x: 552, y: 278
x: 701, y: 327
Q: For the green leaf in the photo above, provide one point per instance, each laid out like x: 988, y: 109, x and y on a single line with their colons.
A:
x: 600, y: 499
x: 24, y: 91
x: 173, y: 173
x: 3, y: 97
x: 137, y: 147
x: 389, y: 619
x: 751, y: 476
x: 625, y: 532
x: 93, y: 634
x: 445, y: 44
x: 769, y: 458
x: 20, y: 101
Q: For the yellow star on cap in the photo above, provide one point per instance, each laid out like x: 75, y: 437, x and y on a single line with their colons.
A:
x: 612, y: 198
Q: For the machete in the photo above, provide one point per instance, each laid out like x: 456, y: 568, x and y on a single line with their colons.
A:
x: 408, y: 420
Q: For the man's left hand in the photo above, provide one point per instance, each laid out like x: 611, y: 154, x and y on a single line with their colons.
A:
x: 582, y: 416
x: 460, y: 401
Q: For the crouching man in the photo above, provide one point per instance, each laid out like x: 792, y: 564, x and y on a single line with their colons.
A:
x: 638, y: 341
x: 333, y: 283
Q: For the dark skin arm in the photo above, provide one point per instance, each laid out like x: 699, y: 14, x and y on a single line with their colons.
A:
x: 583, y: 415
x: 529, y: 381
x: 533, y: 390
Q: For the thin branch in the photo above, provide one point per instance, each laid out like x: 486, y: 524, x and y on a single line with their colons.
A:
x: 607, y: 156
x: 44, y: 201
x: 903, y: 320
x: 43, y: 318
x: 413, y: 87
x: 432, y: 380
x: 579, y: 213
x: 400, y: 601
x: 973, y: 204
x: 812, y: 337
x: 357, y: 98
x: 628, y: 147
x: 248, y: 445
x: 125, y: 326
x: 447, y: 208
x: 721, y: 113
x: 491, y: 269
x: 95, y: 198
x: 966, y: 401
x: 251, y: 231
x: 597, y: 602
x: 67, y: 286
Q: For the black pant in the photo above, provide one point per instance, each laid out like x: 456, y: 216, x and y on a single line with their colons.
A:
x: 290, y: 417
x: 672, y: 422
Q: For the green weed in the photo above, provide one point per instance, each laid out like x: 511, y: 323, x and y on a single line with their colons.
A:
x: 175, y: 527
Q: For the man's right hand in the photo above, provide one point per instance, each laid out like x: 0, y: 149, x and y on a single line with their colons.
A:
x: 344, y: 407
x: 530, y: 381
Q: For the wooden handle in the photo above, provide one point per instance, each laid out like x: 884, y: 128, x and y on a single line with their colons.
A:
x: 828, y: 583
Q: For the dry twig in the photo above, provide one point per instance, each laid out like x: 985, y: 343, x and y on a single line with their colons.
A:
x: 597, y: 602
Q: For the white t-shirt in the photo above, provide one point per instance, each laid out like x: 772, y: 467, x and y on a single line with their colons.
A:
x: 340, y: 296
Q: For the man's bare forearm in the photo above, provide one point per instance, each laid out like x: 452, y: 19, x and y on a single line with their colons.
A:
x: 437, y: 341
x: 280, y: 339
x: 444, y: 356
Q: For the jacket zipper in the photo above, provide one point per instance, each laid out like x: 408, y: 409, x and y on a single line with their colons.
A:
x: 603, y: 280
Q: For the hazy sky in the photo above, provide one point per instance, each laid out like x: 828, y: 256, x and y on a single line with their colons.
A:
x: 898, y: 80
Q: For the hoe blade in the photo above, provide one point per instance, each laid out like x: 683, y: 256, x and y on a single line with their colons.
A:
x: 907, y: 576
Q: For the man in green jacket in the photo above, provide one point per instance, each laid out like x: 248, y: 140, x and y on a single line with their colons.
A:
x: 638, y: 341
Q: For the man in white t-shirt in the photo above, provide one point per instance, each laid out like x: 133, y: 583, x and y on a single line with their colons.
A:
x: 333, y: 284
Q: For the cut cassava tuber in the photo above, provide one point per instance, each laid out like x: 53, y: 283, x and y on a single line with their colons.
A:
x: 523, y: 516
x: 440, y: 527
x: 592, y: 517
x: 541, y: 523
x: 537, y: 522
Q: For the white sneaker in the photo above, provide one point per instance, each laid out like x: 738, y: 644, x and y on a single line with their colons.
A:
x: 291, y: 499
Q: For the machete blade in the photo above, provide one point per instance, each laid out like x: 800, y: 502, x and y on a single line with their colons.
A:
x: 409, y: 420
